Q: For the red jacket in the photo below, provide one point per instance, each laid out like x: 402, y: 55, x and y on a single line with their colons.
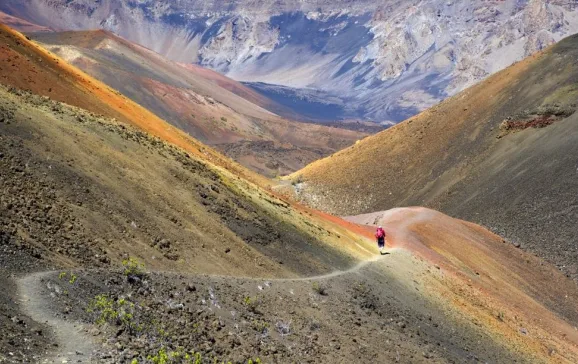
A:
x: 380, y: 233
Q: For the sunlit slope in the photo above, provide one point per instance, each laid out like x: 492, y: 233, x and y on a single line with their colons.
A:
x: 523, y: 303
x: 28, y: 66
x: 48, y: 132
x: 502, y: 153
x: 210, y: 107
x: 88, y: 191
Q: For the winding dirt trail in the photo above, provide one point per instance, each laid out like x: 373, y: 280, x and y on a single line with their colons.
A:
x: 74, y: 345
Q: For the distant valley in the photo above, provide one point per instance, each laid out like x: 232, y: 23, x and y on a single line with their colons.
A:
x: 340, y: 60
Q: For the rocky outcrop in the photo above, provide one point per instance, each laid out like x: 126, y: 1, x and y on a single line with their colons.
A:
x: 383, y: 61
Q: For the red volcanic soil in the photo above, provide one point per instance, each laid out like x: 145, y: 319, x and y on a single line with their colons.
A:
x: 25, y: 65
x: 206, y: 105
x: 20, y: 24
x: 490, y: 278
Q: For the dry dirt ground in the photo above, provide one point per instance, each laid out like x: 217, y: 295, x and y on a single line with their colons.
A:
x: 231, y: 271
x: 80, y: 193
x: 502, y: 154
x: 81, y: 190
x: 423, y: 301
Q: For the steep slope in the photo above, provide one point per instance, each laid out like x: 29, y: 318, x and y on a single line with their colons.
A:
x: 25, y: 65
x: 231, y: 271
x: 117, y: 191
x: 377, y: 60
x: 497, y: 278
x: 199, y: 102
x: 501, y: 153
x: 20, y: 24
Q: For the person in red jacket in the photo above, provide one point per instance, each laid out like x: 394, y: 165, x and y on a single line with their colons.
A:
x: 380, y: 236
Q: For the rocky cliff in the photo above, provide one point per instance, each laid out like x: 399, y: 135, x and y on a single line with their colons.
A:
x: 378, y: 60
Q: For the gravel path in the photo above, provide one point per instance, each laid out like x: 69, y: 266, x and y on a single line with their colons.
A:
x: 74, y: 345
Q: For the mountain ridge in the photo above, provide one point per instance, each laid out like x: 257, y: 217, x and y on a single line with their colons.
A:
x: 188, y: 98
x: 380, y: 61
x: 498, y: 154
x: 198, y: 258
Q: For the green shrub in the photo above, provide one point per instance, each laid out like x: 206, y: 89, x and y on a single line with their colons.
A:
x: 119, y: 312
x: 73, y: 278
x: 252, y: 304
x: 176, y: 356
x: 319, y: 288
x: 134, y: 268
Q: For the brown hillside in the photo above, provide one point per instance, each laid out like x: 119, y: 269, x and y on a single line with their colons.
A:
x: 20, y: 24
x: 231, y: 273
x: 502, y: 153
x: 210, y: 107
x: 26, y: 65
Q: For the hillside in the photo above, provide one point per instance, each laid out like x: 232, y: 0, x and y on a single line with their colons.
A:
x: 501, y: 154
x: 212, y: 108
x: 21, y: 24
x: 373, y: 60
x: 124, y: 240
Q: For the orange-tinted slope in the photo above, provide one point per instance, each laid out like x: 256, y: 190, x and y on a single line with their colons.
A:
x: 26, y: 65
x: 21, y: 24
x: 237, y: 88
x: 208, y: 106
x: 501, y: 154
x: 524, y: 301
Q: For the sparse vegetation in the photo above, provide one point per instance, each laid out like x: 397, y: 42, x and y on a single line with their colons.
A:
x: 71, y: 280
x: 133, y: 268
x: 252, y: 304
x: 260, y: 326
x: 319, y: 289
x: 177, y: 356
x: 223, y: 119
x: 117, y: 312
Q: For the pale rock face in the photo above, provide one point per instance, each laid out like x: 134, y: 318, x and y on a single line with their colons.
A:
x: 377, y: 60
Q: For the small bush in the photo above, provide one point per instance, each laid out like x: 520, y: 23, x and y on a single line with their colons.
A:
x: 133, y: 268
x: 176, y: 356
x: 252, y: 304
x: 223, y: 119
x: 118, y: 312
x: 319, y: 288
x: 260, y: 326
x: 73, y: 278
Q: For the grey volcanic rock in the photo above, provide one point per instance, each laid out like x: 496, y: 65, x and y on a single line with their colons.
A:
x: 378, y: 60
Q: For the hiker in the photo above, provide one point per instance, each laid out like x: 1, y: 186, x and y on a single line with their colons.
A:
x: 380, y: 236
